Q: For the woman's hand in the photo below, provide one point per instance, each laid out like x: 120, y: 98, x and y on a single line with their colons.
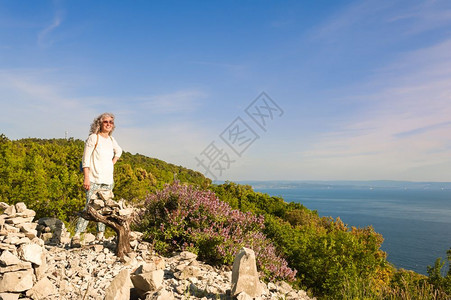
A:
x: 115, y: 159
x: 86, y: 184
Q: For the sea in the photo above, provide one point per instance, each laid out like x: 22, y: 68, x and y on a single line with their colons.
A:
x: 414, y: 219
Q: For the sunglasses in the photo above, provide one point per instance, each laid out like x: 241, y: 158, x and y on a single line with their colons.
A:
x: 108, y: 122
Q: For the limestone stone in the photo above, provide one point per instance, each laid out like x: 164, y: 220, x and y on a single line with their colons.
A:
x: 38, y: 241
x: 88, y: 238
x: 3, y: 205
x: 10, y: 228
x: 20, y: 207
x: 119, y: 289
x: 8, y: 259
x: 40, y: 270
x: 16, y: 281
x: 19, y: 220
x: 243, y: 296
x: 27, y: 213
x: 244, y: 274
x: 23, y: 265
x: 31, y: 252
x: 26, y: 227
x: 9, y: 296
x: 153, y: 265
x: 42, y: 289
x: 148, y: 281
x: 10, y: 210
x: 4, y: 246
x: 186, y: 255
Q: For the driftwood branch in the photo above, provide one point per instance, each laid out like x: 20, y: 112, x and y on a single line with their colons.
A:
x: 120, y: 224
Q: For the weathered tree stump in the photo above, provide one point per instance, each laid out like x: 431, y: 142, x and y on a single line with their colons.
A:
x: 120, y: 224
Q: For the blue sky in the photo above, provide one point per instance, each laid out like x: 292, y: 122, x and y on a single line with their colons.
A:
x: 364, y: 87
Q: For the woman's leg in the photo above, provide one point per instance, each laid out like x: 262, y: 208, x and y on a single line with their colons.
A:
x: 100, y: 225
x: 82, y: 223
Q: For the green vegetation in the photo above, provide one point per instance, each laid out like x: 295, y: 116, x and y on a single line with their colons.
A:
x: 44, y: 174
x: 332, y: 260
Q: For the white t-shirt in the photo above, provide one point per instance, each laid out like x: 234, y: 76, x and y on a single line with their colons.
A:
x: 100, y: 159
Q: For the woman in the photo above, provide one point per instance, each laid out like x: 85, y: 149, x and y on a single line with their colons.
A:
x: 100, y: 154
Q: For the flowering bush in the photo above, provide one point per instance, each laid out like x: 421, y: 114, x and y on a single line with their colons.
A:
x: 182, y: 217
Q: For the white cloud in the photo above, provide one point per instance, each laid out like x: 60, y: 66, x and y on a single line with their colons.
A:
x: 44, y: 39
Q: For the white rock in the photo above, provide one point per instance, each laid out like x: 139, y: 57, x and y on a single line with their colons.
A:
x: 20, y: 207
x: 148, y: 281
x: 243, y: 296
x: 119, y: 289
x: 28, y: 213
x: 88, y: 238
x: 31, y: 252
x: 42, y: 289
x: 9, y: 296
x: 10, y: 210
x: 16, y: 281
x: 8, y: 259
x: 245, y: 275
x: 23, y: 265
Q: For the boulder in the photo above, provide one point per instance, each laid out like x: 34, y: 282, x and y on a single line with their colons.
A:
x: 42, y: 289
x: 18, y: 281
x: 119, y: 289
x: 245, y: 275
x: 20, y: 207
x: 31, y: 252
x: 10, y: 210
x: 150, y: 281
x: 8, y: 259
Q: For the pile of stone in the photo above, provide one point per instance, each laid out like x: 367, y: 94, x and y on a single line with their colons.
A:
x: 31, y: 270
x: 102, y: 201
x: 22, y: 255
x: 93, y: 272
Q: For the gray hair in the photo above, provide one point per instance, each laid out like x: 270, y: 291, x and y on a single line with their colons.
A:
x: 96, y: 125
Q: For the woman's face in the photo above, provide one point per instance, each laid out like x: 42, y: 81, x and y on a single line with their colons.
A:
x: 107, y: 124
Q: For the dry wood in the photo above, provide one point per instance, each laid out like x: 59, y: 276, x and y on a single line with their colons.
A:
x: 120, y: 224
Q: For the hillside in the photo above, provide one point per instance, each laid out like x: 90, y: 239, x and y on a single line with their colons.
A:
x: 330, y: 258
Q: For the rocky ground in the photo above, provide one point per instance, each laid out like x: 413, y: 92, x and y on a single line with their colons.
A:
x: 37, y: 262
x: 87, y: 272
